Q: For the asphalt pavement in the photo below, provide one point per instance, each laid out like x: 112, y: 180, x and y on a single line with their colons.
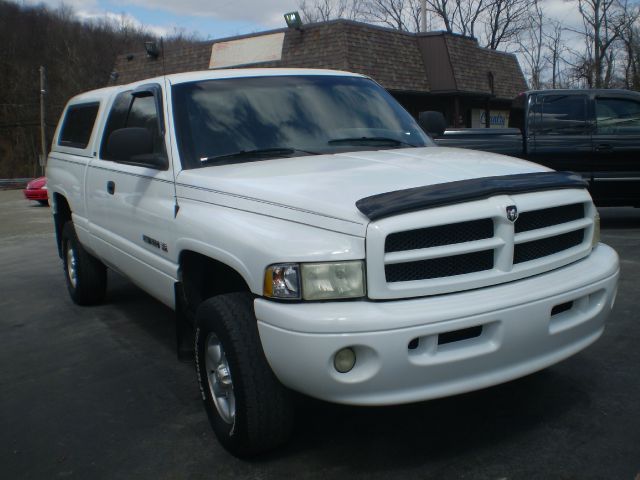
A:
x: 97, y: 392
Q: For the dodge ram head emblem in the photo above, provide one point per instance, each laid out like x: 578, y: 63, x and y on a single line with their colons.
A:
x: 512, y: 213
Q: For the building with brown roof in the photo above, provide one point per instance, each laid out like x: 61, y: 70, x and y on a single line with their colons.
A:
x: 424, y: 71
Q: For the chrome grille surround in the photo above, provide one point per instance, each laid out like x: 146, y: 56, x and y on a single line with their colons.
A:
x: 573, y: 236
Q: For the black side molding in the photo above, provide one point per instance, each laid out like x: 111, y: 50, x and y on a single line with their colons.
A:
x: 419, y: 198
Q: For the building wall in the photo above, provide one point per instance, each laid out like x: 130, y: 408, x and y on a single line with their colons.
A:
x: 137, y: 66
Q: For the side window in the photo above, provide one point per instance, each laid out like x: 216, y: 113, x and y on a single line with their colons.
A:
x: 617, y: 116
x: 143, y: 113
x: 132, y: 111
x: 117, y: 119
x: 563, y: 115
x: 78, y: 125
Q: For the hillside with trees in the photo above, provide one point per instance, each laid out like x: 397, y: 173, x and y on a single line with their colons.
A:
x: 599, y: 48
x: 77, y: 56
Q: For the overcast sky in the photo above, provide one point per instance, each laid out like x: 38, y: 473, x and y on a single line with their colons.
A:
x: 223, y: 18
x: 210, y: 18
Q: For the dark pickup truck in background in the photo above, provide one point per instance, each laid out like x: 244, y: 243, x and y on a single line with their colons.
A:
x: 593, y: 132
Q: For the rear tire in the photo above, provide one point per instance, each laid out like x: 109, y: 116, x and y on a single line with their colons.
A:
x: 86, y: 276
x: 250, y: 411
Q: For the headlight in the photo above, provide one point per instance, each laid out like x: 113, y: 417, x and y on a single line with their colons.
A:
x: 327, y: 281
x: 596, y: 230
x: 315, y: 281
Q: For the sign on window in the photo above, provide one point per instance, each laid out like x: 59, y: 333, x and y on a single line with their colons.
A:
x: 499, y: 118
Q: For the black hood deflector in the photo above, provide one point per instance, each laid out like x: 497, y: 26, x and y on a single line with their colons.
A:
x: 419, y: 198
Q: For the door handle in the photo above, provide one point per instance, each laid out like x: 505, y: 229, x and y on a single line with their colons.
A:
x: 604, y: 147
x: 111, y: 187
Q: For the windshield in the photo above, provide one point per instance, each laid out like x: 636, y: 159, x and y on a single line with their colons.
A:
x: 248, y: 119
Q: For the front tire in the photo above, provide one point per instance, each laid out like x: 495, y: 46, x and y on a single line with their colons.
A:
x: 249, y: 410
x: 85, y: 275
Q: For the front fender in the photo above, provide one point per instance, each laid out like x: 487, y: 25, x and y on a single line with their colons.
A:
x: 249, y: 242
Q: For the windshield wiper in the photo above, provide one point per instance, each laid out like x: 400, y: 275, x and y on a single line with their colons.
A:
x: 256, y: 153
x: 365, y: 140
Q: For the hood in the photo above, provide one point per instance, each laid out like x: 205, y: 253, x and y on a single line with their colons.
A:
x: 330, y: 185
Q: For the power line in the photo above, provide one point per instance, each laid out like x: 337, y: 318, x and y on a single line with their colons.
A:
x: 19, y: 125
x: 18, y: 104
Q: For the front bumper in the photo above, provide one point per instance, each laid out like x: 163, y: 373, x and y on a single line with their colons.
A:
x: 519, y: 336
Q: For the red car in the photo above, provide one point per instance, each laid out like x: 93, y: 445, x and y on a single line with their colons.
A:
x: 37, y: 190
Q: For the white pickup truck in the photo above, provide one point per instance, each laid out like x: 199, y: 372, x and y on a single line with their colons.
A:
x: 319, y: 242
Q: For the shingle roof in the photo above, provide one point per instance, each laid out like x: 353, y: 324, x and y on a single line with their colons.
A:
x: 390, y: 57
x: 399, y: 61
x: 471, y: 67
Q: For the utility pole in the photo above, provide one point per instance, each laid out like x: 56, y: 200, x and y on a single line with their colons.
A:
x: 43, y: 134
x: 423, y: 16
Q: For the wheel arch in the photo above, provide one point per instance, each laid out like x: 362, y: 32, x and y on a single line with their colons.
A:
x: 61, y: 215
x: 202, y: 276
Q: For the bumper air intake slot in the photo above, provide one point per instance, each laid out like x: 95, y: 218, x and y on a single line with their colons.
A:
x: 563, y: 307
x: 459, y: 335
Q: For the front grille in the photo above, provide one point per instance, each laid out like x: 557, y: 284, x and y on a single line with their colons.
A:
x: 440, y: 267
x: 549, y: 216
x: 426, y: 253
x: 439, y: 235
x: 526, y: 252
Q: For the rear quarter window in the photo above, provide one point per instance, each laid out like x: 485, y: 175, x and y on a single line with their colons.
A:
x: 77, y: 125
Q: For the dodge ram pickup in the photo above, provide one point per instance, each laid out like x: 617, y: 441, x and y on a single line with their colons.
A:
x: 319, y: 242
x: 593, y: 132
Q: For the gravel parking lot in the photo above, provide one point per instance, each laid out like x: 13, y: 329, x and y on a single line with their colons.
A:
x: 98, y: 393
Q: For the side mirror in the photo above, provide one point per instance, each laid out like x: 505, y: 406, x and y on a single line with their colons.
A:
x: 134, y: 145
x: 433, y: 123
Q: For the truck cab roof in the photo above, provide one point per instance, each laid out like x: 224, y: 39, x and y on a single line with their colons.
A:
x: 178, y: 78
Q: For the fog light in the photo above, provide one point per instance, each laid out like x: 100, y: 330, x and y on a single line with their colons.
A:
x: 344, y: 360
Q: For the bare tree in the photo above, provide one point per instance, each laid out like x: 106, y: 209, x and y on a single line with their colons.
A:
x: 444, y: 10
x: 459, y: 16
x: 324, y: 10
x: 392, y: 13
x: 555, y: 48
x: 531, y: 45
x: 603, y: 22
x: 398, y: 14
x: 497, y: 22
x: 467, y: 13
x: 505, y: 19
x: 415, y: 14
x: 630, y: 37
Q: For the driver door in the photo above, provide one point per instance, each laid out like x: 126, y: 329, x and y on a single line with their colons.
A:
x: 131, y: 207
